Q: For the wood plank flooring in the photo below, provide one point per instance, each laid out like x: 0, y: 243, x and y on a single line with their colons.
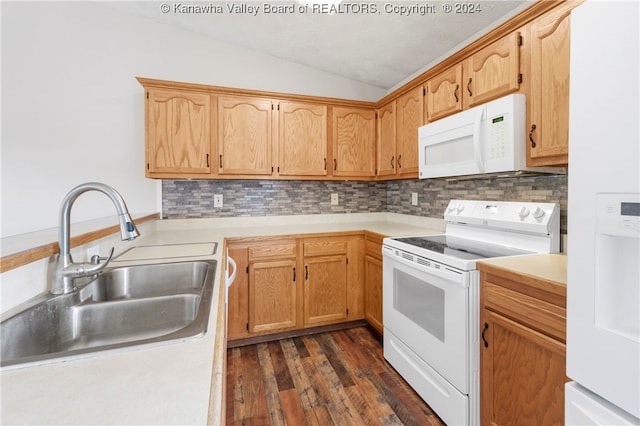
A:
x: 333, y: 378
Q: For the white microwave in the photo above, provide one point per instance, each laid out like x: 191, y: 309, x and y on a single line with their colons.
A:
x: 485, y: 140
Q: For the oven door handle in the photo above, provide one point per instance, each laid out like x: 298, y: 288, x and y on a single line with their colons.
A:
x: 447, y: 274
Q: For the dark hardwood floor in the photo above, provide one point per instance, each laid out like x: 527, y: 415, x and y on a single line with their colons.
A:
x: 333, y: 378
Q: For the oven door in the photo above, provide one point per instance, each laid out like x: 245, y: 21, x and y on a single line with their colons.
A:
x: 426, y: 306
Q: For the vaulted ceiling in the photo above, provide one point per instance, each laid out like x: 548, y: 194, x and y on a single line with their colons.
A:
x: 378, y: 43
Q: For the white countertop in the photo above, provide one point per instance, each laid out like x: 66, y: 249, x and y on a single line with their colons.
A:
x: 168, y: 383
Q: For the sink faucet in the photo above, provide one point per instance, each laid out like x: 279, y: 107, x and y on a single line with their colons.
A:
x: 65, y: 270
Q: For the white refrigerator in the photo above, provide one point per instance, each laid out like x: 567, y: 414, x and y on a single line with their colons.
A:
x: 603, y: 256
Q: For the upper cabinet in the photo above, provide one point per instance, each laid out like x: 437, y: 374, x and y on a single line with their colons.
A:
x: 548, y: 103
x: 354, y: 142
x: 386, y: 137
x: 207, y: 132
x: 244, y: 136
x: 302, y: 139
x: 493, y: 71
x: 444, y: 94
x: 409, y: 109
x: 178, y: 133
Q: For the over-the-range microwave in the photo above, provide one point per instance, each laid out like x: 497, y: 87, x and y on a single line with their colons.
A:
x: 486, y: 140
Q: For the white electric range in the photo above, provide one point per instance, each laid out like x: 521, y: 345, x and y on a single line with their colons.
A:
x: 431, y: 296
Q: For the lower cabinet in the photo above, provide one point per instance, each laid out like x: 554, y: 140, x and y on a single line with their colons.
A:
x: 373, y: 281
x: 522, y: 353
x: 284, y: 284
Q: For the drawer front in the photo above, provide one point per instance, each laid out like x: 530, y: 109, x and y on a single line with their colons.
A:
x: 543, y: 316
x: 323, y: 247
x: 279, y: 250
x: 373, y: 248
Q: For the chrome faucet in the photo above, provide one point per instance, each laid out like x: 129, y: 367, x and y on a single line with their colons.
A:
x: 65, y: 270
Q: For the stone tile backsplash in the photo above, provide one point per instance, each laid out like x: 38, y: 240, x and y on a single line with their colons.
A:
x: 194, y: 198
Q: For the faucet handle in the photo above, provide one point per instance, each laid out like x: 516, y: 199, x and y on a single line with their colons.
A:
x: 95, y: 260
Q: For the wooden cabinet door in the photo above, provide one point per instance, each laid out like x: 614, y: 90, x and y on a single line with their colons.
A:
x: 272, y: 296
x: 386, y: 144
x: 522, y: 374
x: 493, y: 71
x: 409, y: 108
x: 302, y: 139
x: 444, y: 94
x: 354, y: 142
x: 244, y: 136
x: 548, y: 142
x: 373, y: 292
x: 238, y: 295
x: 325, y: 290
x: 178, y: 132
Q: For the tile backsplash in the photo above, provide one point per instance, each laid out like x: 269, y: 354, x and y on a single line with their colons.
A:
x: 194, y: 198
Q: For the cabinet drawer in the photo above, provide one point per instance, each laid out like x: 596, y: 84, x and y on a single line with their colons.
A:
x: 373, y: 248
x: 543, y: 316
x: 279, y: 250
x: 324, y: 247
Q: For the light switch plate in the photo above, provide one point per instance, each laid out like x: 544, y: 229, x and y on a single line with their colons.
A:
x: 414, y: 198
x: 217, y: 200
x: 334, y: 199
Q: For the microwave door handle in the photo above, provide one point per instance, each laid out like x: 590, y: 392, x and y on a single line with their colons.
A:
x: 477, y: 147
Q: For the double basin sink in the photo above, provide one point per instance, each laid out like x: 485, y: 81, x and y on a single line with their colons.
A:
x: 124, y: 306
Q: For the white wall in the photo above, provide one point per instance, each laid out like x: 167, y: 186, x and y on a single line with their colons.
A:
x: 73, y: 112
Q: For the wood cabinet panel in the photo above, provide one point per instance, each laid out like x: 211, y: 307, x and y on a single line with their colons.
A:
x: 409, y: 108
x: 354, y: 142
x: 493, y: 71
x: 272, y: 250
x: 325, y: 291
x: 272, y: 296
x: 522, y: 350
x: 444, y: 94
x: 324, y: 246
x: 386, y: 143
x: 302, y: 139
x: 244, y: 136
x: 238, y: 294
x: 373, y: 292
x: 548, y: 106
x: 524, y: 372
x: 178, y: 132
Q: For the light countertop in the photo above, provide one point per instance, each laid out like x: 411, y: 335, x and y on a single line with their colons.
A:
x: 171, y: 382
x: 547, y: 272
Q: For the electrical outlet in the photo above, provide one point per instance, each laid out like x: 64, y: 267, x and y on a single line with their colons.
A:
x: 414, y: 198
x: 217, y: 200
x: 334, y: 199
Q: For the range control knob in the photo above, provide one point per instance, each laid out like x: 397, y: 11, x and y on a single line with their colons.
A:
x: 538, y: 213
x: 451, y: 208
x: 460, y: 208
x: 523, y: 212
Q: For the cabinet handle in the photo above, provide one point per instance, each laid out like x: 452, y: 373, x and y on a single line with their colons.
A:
x: 335, y: 164
x: 486, y: 326
x: 306, y: 272
x: 399, y: 163
x: 393, y: 158
x: 325, y: 163
x: 294, y: 274
x: 533, y: 143
x: 469, y: 87
x: 220, y: 160
x: 455, y: 93
x: 208, y: 165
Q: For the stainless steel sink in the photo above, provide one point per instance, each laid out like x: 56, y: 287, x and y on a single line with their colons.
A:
x: 124, y: 306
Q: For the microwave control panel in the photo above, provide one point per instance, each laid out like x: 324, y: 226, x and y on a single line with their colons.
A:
x: 498, y: 128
